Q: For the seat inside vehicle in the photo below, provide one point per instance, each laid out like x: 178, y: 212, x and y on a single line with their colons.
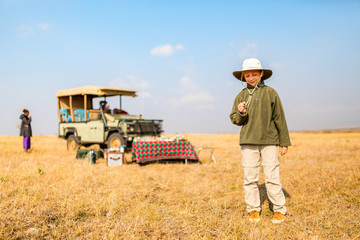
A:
x: 119, y: 111
x: 80, y: 115
x: 93, y: 114
x: 65, y: 115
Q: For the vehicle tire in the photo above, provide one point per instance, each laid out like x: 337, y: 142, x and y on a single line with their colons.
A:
x: 115, y: 141
x: 72, y: 143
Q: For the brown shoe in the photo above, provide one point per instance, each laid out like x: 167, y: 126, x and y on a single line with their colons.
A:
x: 254, y: 216
x: 278, y: 217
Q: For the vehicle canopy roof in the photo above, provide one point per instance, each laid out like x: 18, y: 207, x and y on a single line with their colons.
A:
x: 96, y: 91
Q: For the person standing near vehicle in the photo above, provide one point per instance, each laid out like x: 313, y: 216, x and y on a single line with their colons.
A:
x: 25, y: 129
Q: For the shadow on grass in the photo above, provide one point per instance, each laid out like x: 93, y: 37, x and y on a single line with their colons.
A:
x: 264, y: 196
x: 170, y: 161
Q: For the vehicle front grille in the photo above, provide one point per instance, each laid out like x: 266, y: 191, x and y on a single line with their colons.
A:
x: 145, y: 127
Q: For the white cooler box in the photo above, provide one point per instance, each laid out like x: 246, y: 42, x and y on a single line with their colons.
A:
x: 114, y: 157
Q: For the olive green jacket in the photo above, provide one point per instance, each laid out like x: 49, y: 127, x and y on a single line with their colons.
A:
x: 264, y: 123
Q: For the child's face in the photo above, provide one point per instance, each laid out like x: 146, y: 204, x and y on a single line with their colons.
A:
x: 252, y: 77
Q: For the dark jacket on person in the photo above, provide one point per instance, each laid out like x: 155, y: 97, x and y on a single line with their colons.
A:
x: 25, y: 129
x: 264, y: 123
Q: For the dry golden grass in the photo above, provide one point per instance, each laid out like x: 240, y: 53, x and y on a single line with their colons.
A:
x: 48, y: 194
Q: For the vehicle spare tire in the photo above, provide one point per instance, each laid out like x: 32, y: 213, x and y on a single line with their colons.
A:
x: 72, y: 143
x: 115, y: 141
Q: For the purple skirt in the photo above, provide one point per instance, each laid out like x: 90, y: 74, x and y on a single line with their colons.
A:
x: 26, y: 143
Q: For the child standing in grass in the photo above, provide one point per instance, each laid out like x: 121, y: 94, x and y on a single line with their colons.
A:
x: 258, y: 109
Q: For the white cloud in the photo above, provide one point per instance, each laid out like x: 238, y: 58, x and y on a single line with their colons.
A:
x: 180, y: 47
x: 190, y: 94
x: 25, y: 31
x: 131, y: 82
x: 140, y: 84
x: 197, y: 97
x: 249, y: 50
x: 187, y: 84
x: 166, y: 50
x: 44, y: 27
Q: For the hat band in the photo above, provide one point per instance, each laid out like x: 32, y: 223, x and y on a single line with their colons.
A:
x: 251, y: 68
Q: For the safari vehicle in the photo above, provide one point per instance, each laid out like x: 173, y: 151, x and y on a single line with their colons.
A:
x: 81, y: 124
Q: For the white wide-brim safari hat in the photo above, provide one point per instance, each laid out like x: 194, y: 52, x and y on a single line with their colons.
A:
x: 252, y: 64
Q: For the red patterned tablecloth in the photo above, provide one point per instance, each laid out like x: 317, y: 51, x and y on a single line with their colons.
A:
x: 148, y: 151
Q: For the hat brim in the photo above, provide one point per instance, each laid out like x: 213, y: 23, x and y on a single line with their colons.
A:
x: 267, y: 74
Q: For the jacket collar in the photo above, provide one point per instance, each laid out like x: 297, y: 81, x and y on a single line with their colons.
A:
x: 260, y: 84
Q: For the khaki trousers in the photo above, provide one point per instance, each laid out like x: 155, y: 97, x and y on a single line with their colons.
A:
x: 251, y: 165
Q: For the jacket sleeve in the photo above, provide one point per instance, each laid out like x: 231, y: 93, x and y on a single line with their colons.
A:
x: 235, y: 116
x: 280, y: 122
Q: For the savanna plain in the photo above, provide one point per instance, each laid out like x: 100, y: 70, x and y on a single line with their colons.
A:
x: 48, y: 194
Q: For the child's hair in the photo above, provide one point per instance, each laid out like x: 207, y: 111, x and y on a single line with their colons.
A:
x: 25, y: 110
x: 242, y: 74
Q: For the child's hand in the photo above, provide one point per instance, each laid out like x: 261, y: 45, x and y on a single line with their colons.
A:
x: 242, y: 108
x: 283, y: 150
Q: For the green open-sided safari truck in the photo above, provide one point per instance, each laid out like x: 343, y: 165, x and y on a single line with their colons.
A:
x: 82, y: 124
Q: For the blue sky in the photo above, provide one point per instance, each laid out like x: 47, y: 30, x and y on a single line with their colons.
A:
x: 180, y: 56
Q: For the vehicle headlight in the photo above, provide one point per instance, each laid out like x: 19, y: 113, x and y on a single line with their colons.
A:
x: 130, y: 128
